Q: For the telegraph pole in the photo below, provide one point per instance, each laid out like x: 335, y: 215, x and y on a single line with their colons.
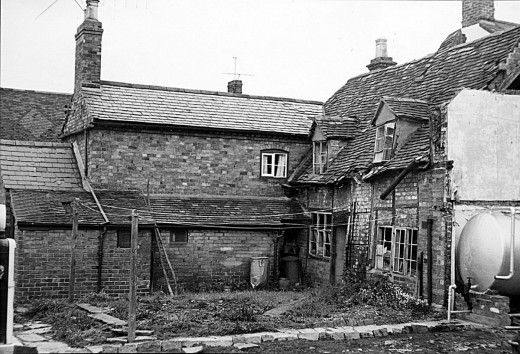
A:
x: 133, y: 278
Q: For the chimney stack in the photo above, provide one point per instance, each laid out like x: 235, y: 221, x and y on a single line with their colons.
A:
x: 475, y: 10
x: 88, y: 49
x: 235, y: 86
x: 382, y: 60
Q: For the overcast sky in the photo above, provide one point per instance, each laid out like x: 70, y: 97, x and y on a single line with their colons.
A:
x: 300, y: 49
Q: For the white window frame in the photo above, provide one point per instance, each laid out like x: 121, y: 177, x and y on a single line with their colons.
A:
x: 397, y: 250
x: 319, y: 156
x: 274, y: 164
x: 320, y: 237
x: 384, y: 143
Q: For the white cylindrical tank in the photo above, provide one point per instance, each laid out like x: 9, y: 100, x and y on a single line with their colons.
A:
x: 483, y: 251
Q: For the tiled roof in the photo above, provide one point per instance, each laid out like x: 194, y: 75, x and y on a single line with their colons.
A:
x: 337, y: 127
x: 199, y: 109
x: 217, y: 210
x: 118, y: 206
x: 38, y: 165
x: 406, y: 108
x: 31, y: 115
x: 46, y: 208
x: 418, y: 145
x: 435, y: 79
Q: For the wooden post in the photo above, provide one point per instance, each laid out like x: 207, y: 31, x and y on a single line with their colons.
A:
x: 133, y: 278
x: 72, y: 274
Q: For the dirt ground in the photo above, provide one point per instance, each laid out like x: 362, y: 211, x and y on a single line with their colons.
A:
x: 492, y: 341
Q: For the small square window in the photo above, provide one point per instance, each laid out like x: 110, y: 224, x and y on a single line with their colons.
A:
x: 274, y: 164
x: 397, y: 250
x: 124, y: 239
x: 175, y: 235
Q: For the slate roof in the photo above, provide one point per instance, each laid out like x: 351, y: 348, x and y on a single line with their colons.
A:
x: 490, y: 26
x: 46, y: 208
x: 225, y: 211
x: 336, y: 127
x: 32, y: 115
x: 435, y: 79
x: 37, y: 207
x: 130, y: 103
x: 405, y: 108
x: 38, y: 165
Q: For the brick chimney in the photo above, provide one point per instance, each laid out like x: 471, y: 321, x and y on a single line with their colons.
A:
x: 475, y: 10
x: 382, y: 60
x: 88, y: 49
x: 235, y: 86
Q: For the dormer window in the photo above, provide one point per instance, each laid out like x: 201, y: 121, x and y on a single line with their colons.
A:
x: 384, y: 142
x: 319, y: 157
x: 274, y: 164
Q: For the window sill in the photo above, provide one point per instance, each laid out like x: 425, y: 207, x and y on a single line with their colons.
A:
x: 320, y: 258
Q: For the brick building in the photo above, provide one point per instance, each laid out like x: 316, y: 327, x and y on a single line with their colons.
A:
x: 205, y: 168
x: 400, y: 160
x: 384, y: 170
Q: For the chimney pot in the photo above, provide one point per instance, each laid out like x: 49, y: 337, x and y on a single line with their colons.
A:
x: 235, y: 86
x: 91, y: 12
x: 382, y: 60
x: 381, y: 51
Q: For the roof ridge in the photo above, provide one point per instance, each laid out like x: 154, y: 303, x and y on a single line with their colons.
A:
x: 34, y: 91
x: 34, y: 143
x: 414, y: 100
x: 207, y: 92
x: 211, y: 196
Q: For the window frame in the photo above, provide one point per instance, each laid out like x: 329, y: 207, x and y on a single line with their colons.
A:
x: 384, y: 142
x: 121, y: 239
x: 402, y: 255
x: 170, y: 235
x: 273, y: 154
x: 320, y: 236
x: 320, y: 152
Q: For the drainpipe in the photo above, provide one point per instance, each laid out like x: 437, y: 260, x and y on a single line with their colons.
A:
x: 102, y: 236
x: 430, y: 262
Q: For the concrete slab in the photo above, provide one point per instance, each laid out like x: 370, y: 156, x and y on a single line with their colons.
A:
x: 30, y: 338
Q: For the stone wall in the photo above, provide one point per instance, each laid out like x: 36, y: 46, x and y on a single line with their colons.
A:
x: 187, y: 163
x: 43, y: 263
x: 214, y: 257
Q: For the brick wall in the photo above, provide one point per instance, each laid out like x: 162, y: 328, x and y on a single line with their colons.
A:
x: 195, y: 163
x: 475, y: 10
x: 43, y: 263
x: 418, y: 197
x: 212, y: 257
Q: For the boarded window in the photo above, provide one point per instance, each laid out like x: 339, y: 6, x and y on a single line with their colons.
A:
x: 124, y: 239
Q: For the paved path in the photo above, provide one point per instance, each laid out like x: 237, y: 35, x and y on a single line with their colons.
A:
x: 38, y: 335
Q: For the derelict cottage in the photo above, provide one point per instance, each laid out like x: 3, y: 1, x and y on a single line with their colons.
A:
x: 379, y: 180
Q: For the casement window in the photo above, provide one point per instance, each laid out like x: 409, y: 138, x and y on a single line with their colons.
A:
x: 274, y: 164
x: 124, y: 238
x: 396, y: 250
x: 320, y: 235
x: 384, y: 142
x: 174, y: 235
x: 319, y: 157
